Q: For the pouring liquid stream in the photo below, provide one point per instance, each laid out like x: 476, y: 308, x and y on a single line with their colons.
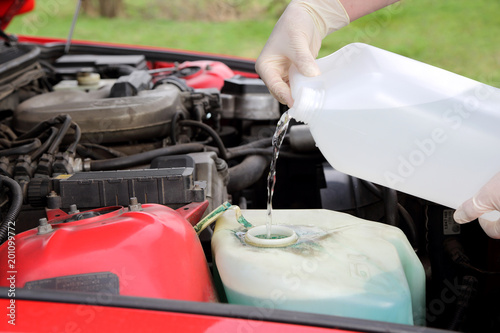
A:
x: 278, y: 137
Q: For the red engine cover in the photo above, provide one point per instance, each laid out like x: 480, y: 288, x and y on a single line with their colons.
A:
x: 206, y: 73
x: 153, y: 252
x: 200, y: 74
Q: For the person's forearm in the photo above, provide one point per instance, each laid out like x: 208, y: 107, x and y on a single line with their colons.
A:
x: 359, y: 8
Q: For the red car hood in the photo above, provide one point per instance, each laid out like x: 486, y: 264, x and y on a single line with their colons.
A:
x: 11, y: 8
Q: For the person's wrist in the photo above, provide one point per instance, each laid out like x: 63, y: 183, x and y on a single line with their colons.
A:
x: 327, y: 15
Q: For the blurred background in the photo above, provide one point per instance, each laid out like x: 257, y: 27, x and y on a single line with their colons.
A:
x: 461, y: 36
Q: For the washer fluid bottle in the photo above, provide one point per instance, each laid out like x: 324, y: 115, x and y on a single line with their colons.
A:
x: 401, y: 123
x: 337, y: 265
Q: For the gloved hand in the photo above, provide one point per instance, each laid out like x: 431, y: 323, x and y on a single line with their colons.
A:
x: 485, y: 205
x: 296, y: 39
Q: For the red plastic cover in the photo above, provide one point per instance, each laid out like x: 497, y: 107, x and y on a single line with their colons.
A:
x: 153, y: 252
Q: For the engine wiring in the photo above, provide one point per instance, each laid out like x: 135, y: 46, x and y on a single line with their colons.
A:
x: 65, y: 123
x: 213, y: 134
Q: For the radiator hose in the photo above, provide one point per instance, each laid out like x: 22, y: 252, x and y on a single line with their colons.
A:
x: 246, y: 173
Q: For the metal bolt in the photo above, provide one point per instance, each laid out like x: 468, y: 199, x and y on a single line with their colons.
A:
x: 73, y: 209
x: 44, y: 226
x: 134, y: 205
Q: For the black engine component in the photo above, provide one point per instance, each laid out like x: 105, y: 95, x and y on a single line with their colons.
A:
x: 131, y: 85
x: 18, y: 67
x: 69, y: 65
x: 248, y: 98
x: 169, y: 186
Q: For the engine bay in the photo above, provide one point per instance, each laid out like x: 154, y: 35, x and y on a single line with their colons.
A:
x: 128, y: 131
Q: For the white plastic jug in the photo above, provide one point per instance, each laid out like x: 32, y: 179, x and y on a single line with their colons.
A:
x: 401, y: 123
x: 338, y: 265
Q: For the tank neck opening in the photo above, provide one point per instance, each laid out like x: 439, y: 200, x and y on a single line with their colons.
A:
x: 281, y: 236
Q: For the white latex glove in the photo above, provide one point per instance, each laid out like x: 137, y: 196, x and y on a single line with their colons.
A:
x: 296, y: 39
x: 485, y: 205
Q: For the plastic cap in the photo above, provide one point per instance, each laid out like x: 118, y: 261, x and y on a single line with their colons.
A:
x: 88, y: 79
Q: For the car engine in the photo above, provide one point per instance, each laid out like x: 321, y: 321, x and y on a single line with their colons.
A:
x: 109, y: 133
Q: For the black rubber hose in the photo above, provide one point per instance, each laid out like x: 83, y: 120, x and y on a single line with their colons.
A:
x: 354, y: 196
x: 91, y: 153
x: 45, y: 145
x: 60, y: 136
x: 410, y: 223
x: 4, y: 143
x: 42, y: 127
x: 15, y: 207
x: 249, y: 171
x: 21, y: 150
x: 390, y: 206
x: 15, y: 143
x: 78, y: 135
x: 144, y: 158
x: 269, y: 151
x: 7, y: 132
x: 374, y: 189
x: 261, y: 143
x: 210, y: 131
x: 94, y: 146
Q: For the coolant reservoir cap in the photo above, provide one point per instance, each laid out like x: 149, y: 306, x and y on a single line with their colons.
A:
x: 281, y: 236
x: 87, y: 78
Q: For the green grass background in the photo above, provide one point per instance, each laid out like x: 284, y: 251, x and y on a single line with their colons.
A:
x: 462, y: 36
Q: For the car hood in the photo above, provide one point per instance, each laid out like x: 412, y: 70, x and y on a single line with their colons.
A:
x: 11, y: 8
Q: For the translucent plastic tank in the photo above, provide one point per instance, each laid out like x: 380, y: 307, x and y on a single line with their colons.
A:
x: 401, y: 123
x: 338, y: 265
